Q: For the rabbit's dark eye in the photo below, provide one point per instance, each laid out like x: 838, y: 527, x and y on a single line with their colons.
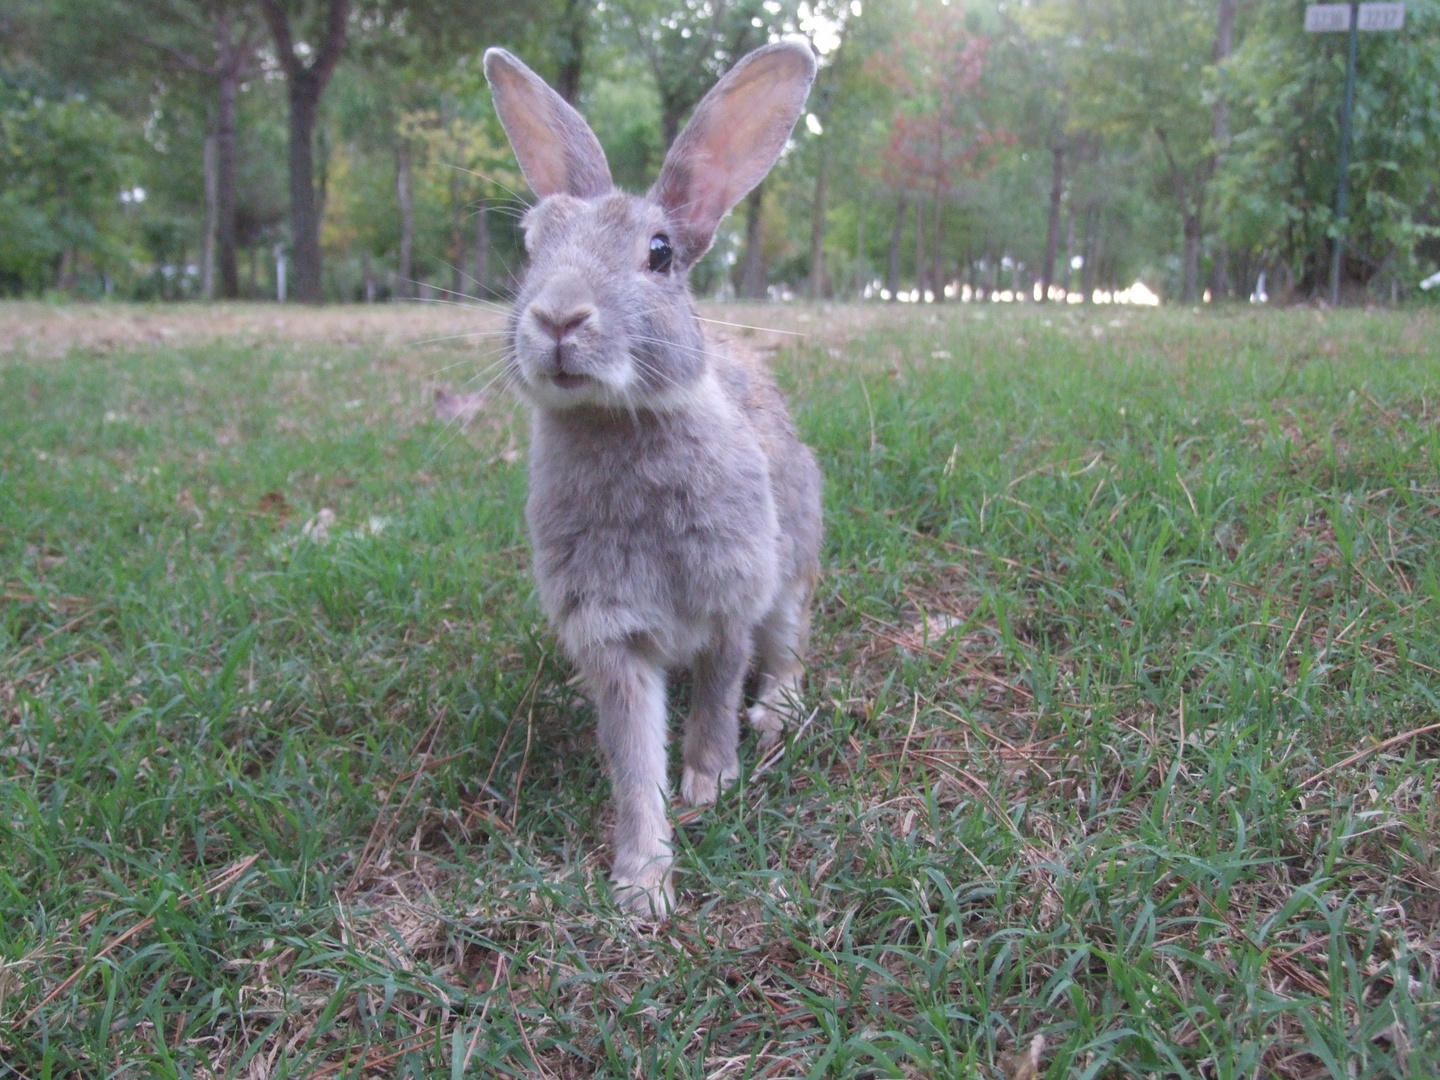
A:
x: 660, y: 253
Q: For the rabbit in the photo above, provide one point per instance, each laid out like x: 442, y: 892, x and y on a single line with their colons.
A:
x: 674, y: 514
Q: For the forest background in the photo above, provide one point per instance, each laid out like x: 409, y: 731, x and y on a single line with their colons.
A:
x: 174, y: 149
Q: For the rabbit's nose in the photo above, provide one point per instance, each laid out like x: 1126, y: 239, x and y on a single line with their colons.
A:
x: 563, y: 324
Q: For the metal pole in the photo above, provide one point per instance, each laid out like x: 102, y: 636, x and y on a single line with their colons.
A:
x: 1342, y: 191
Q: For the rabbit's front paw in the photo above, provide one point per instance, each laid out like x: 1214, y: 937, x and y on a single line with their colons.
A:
x: 649, y: 899
x: 765, y: 719
x: 699, y: 788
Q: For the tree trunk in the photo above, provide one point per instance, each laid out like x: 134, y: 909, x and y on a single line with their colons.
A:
x: 305, y: 84
x: 1068, y: 269
x: 65, y: 276
x: 212, y: 217
x: 1220, y: 119
x: 670, y: 115
x: 572, y: 50
x: 920, y: 247
x: 861, y: 275
x: 1052, y: 233
x: 457, y: 238
x: 892, y: 274
x: 368, y: 277
x: 937, y: 262
x: 1087, y: 254
x: 304, y: 211
x: 817, y: 223
x: 225, y: 183
x: 482, y: 250
x: 752, y: 272
x: 1190, y: 287
x: 405, y: 286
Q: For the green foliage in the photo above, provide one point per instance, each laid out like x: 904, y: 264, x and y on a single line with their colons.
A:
x: 1278, y: 187
x: 63, y: 162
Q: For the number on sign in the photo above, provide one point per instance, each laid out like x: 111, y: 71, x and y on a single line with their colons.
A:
x: 1327, y: 18
x: 1382, y: 16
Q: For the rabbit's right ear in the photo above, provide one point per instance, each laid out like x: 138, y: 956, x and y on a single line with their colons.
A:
x: 557, y: 151
x: 733, y: 138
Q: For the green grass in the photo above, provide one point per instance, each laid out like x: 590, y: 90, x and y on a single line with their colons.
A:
x: 1125, y: 675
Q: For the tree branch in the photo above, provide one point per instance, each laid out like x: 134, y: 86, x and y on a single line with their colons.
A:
x: 1176, y: 176
x: 335, y: 27
x: 180, y: 57
x: 279, y: 24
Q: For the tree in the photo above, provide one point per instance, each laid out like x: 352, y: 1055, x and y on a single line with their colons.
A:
x: 305, y: 83
x: 1277, y: 183
x: 1143, y: 73
x: 689, y: 44
x: 150, y: 58
x: 214, y: 40
x: 829, y: 25
x: 570, y: 35
x: 1220, y: 127
x: 61, y: 167
x: 937, y: 133
x: 459, y: 162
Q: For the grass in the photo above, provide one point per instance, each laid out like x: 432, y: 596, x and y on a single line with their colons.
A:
x: 1125, y: 676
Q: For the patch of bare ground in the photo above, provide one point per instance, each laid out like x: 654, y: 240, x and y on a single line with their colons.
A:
x: 45, y: 330
x: 51, y: 330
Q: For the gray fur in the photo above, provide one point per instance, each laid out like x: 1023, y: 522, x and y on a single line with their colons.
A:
x: 674, y: 513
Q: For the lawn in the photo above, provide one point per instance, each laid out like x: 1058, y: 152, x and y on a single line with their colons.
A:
x: 1120, y: 743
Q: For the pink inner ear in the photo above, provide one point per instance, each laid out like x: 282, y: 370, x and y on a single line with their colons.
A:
x: 557, y: 151
x: 733, y: 139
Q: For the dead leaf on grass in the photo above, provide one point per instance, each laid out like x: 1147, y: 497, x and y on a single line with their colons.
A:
x: 318, y: 527
x: 1024, y: 1064
x: 272, y: 502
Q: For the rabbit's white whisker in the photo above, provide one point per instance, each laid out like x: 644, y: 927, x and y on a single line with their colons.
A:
x: 503, y: 364
x: 468, y: 360
x: 456, y: 270
x: 452, y: 337
x: 470, y: 303
x: 466, y: 300
x: 489, y: 180
x: 746, y: 326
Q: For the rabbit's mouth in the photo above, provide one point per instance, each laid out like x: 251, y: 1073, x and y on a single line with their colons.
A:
x: 567, y: 381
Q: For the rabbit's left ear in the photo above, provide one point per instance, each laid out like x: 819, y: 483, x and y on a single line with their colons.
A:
x: 732, y: 140
x: 557, y: 151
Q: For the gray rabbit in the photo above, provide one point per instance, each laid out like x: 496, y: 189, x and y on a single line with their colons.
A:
x: 675, y: 515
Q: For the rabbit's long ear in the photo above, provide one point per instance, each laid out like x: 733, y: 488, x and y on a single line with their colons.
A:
x: 734, y: 137
x: 557, y: 151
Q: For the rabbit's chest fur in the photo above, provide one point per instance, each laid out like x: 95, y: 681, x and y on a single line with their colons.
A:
x: 652, y: 529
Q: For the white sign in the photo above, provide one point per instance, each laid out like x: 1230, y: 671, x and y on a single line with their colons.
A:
x: 1332, y: 18
x: 1382, y: 16
x: 1325, y: 18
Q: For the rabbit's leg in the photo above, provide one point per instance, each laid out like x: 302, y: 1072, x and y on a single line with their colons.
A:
x: 629, y: 694
x: 712, y: 732
x: 780, y: 644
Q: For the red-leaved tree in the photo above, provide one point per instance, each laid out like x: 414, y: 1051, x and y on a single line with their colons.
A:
x: 937, y: 133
